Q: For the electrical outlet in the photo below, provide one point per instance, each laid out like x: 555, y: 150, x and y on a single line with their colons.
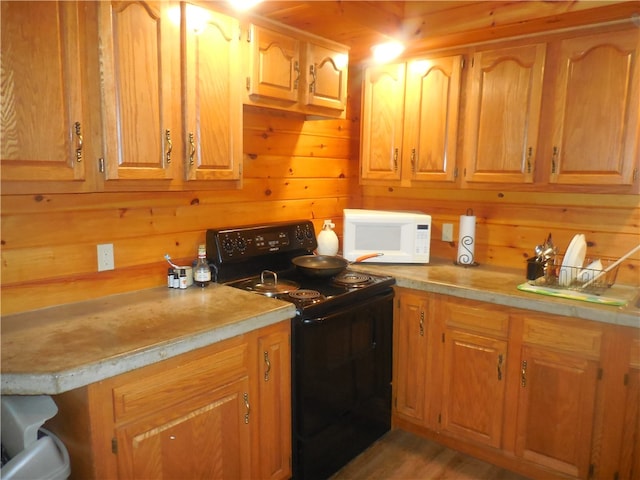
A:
x: 105, y: 257
x: 447, y: 232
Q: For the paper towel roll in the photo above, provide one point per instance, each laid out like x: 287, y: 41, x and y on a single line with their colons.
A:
x: 467, y: 239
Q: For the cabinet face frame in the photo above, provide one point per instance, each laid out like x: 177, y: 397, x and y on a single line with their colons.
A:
x: 139, y: 135
x: 503, y: 114
x: 212, y: 102
x: 43, y: 130
x: 596, y: 110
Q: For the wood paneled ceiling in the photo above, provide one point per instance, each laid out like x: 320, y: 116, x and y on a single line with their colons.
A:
x: 434, y: 24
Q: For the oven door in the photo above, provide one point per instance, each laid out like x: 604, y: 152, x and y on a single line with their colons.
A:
x: 341, y: 385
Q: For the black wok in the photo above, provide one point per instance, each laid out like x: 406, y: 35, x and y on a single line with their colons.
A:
x: 325, y: 265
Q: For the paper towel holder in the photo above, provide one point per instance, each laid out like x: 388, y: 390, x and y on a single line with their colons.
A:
x: 473, y: 263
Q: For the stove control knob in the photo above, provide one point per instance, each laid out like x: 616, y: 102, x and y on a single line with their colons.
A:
x: 227, y: 244
x: 299, y: 233
x: 241, y: 244
x: 309, y: 232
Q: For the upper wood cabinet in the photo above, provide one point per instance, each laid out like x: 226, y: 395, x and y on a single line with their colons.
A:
x: 212, y: 102
x: 43, y: 117
x: 594, y: 129
x: 139, y: 45
x: 503, y: 114
x: 326, y: 77
x: 410, y: 120
x: 291, y: 70
x: 382, y: 116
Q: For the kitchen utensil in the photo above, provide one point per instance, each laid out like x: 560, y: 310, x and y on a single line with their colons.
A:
x: 573, y: 260
x: 325, y: 265
x: 168, y: 259
x: 613, y: 265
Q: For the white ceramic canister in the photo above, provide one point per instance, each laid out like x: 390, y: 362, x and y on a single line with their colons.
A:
x: 327, y: 239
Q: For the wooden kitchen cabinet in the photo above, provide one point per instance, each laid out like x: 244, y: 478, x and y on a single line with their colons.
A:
x: 413, y: 317
x: 209, y: 413
x: 503, y: 114
x: 629, y: 462
x: 474, y: 371
x: 410, y: 120
x: 212, y: 102
x: 594, y: 127
x: 559, y: 370
x: 291, y: 70
x: 139, y: 53
x: 274, y: 378
x: 44, y: 119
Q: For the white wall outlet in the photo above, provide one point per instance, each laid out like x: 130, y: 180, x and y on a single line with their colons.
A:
x: 447, y: 232
x: 105, y: 257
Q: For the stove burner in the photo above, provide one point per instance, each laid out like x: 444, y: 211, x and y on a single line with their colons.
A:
x: 352, y: 279
x: 304, y: 294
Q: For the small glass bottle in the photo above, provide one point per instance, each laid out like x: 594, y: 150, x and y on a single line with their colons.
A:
x: 202, y: 272
x: 183, y: 278
x: 170, y: 278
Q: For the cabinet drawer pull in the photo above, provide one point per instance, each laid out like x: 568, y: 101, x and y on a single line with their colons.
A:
x: 395, y: 159
x: 422, y: 324
x: 192, y: 144
x: 246, y: 405
x: 78, y: 142
x: 529, y: 155
x: 500, y: 367
x: 413, y: 160
x: 296, y: 68
x: 169, y: 145
x: 554, y: 159
x: 312, y: 85
x: 524, y: 373
x: 267, y: 363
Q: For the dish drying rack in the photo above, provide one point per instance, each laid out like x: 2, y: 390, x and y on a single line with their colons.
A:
x: 577, y: 278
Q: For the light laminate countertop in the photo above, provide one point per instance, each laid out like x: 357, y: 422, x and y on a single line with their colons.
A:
x: 499, y: 286
x: 57, y: 349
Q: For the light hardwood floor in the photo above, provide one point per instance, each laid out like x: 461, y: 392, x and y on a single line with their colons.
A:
x: 401, y: 455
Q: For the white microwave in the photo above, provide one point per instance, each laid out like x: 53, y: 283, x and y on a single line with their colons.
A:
x: 399, y: 237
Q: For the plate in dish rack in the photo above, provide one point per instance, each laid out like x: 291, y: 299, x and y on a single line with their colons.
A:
x: 573, y: 260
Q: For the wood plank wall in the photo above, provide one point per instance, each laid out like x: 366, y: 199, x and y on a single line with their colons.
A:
x: 293, y: 169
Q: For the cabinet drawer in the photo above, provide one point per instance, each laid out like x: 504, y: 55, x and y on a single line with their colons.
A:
x: 476, y: 317
x: 165, y: 388
x: 564, y: 336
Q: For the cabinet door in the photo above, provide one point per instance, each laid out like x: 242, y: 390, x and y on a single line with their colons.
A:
x: 473, y: 394
x: 274, y: 63
x: 326, y: 77
x: 503, y: 114
x: 382, y: 117
x: 630, y: 453
x: 212, y: 96
x: 138, y: 50
x: 274, y: 407
x: 206, y: 437
x: 595, y: 124
x: 411, y: 337
x: 42, y: 114
x: 431, y: 118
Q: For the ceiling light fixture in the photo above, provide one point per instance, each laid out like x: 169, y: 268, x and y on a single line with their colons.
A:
x: 242, y: 5
x: 385, y: 52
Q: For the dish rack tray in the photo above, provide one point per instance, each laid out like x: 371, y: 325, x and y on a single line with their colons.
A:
x: 576, y: 278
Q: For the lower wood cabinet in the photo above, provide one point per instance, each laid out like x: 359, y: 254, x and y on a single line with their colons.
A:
x: 544, y: 395
x: 221, y: 412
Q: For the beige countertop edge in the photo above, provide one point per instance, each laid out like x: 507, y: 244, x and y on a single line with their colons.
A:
x: 500, y: 287
x: 55, y: 382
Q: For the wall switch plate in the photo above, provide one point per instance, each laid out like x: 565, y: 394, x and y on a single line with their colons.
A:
x: 447, y: 232
x: 105, y: 257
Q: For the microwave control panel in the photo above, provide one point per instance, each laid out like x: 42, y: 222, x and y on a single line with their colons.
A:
x: 422, y: 241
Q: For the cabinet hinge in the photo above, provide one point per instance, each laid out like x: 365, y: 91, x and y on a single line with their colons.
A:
x: 591, y: 470
x: 249, y: 37
x: 464, y: 172
x: 473, y: 61
x: 248, y: 85
x: 635, y: 174
x: 439, y: 418
x: 455, y: 172
x: 101, y: 165
x: 114, y: 445
x: 462, y: 63
x: 443, y: 338
x: 600, y: 374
